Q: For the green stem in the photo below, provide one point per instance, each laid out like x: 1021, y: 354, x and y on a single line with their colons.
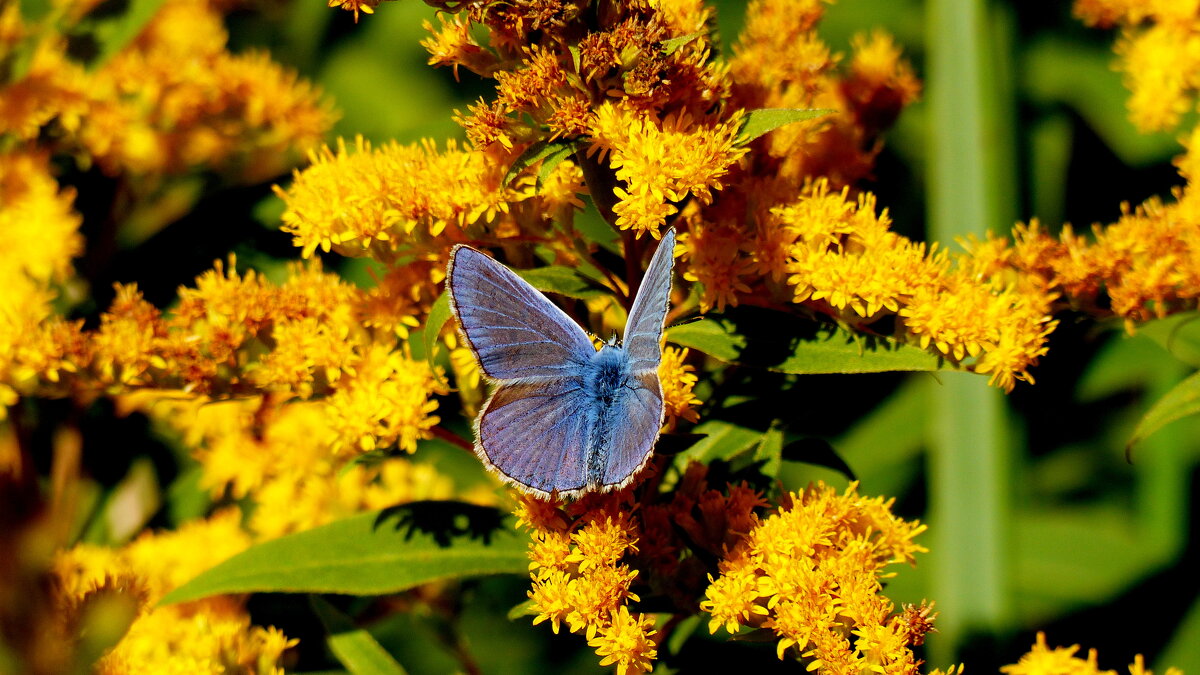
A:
x: 970, y: 190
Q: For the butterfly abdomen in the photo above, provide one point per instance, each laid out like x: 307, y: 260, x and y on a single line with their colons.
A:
x: 605, y: 385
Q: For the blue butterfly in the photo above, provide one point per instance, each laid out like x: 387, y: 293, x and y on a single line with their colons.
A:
x: 564, y: 418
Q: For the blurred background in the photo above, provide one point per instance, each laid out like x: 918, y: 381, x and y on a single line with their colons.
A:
x: 1037, y: 520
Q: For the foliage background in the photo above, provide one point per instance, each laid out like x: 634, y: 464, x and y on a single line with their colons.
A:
x: 1080, y: 543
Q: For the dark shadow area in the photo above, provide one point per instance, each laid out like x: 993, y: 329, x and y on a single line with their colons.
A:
x: 770, y: 338
x: 818, y: 452
x: 444, y: 521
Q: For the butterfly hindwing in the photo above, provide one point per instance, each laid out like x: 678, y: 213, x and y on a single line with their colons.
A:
x: 643, y: 331
x: 514, y: 331
x: 638, y: 417
x: 537, y: 434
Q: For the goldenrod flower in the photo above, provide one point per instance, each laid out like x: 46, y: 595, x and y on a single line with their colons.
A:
x: 1042, y: 660
x: 662, y: 163
x: 1157, y: 51
x: 392, y: 200
x: 356, y: 6
x: 678, y: 378
x: 733, y: 599
x: 387, y: 401
x: 626, y: 642
x: 811, y: 571
x: 715, y: 262
x: 175, y: 99
x: 40, y: 229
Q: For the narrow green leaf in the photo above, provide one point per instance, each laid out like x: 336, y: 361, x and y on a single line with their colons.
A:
x: 972, y: 186
x: 439, y: 314
x: 548, y: 153
x: 561, y: 280
x: 371, y: 554
x: 763, y: 120
x: 354, y: 647
x: 1182, y: 401
x: 783, y: 343
x: 521, y: 609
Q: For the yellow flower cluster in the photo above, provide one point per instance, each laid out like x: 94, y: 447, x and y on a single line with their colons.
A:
x: 587, y: 556
x: 579, y: 579
x: 838, y: 256
x: 394, y: 201
x: 1159, y: 53
x: 1144, y: 266
x: 287, y: 459
x: 662, y: 166
x: 172, y: 100
x: 207, y: 636
x: 640, y: 89
x: 1042, y: 660
x: 781, y: 62
x: 40, y: 229
x: 678, y: 378
x: 811, y: 573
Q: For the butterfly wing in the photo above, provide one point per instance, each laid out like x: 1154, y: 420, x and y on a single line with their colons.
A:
x: 514, y: 331
x: 643, y: 331
x: 536, y: 434
x: 637, y: 416
x: 636, y: 420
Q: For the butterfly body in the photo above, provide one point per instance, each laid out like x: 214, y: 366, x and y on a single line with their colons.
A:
x: 564, y: 417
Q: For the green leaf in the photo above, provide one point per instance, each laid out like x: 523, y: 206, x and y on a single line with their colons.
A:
x: 763, y: 120
x: 371, y: 554
x: 784, y: 343
x: 721, y: 441
x: 561, y: 280
x: 113, y: 25
x: 1182, y: 401
x: 439, y: 314
x: 354, y: 647
x: 548, y: 153
x: 521, y: 609
x: 1179, y: 334
x: 770, y: 451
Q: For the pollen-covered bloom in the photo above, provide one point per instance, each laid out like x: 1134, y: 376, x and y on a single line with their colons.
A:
x: 392, y: 201
x: 662, y: 163
x: 40, y: 229
x: 1145, y: 265
x: 581, y: 577
x: 1157, y: 52
x: 811, y: 573
x: 678, y: 378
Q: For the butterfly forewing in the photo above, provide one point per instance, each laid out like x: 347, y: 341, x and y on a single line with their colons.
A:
x: 643, y: 331
x: 513, y: 329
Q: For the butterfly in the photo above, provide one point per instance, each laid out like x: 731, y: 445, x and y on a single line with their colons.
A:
x: 563, y: 417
